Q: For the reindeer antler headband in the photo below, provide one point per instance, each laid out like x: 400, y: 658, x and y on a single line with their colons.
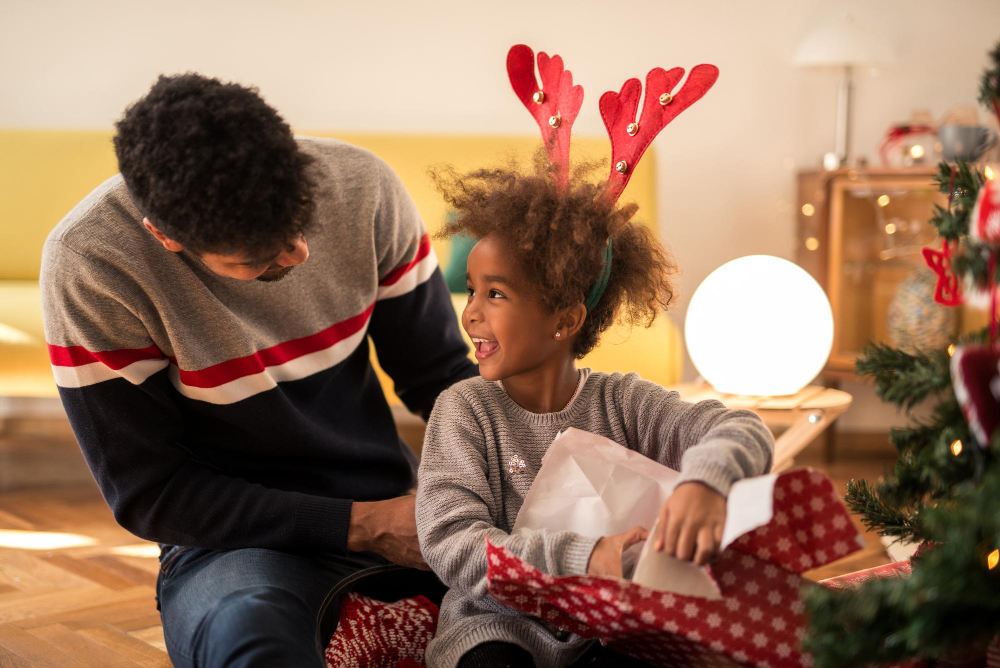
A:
x: 556, y: 103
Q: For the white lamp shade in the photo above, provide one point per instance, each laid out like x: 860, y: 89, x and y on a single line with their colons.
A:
x: 759, y: 325
x: 839, y: 40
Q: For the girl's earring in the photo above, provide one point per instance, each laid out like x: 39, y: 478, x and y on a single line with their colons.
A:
x: 558, y: 334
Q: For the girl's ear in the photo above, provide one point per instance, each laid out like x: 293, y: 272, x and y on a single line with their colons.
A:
x: 571, y: 320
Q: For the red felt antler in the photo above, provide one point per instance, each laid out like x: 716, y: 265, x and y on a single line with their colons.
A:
x: 630, y: 138
x: 555, y: 104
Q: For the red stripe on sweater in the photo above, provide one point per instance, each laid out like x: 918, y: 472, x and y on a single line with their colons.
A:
x: 422, y: 251
x: 223, y: 372
x: 114, y: 359
x: 230, y: 370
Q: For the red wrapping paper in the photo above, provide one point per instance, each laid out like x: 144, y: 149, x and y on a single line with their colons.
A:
x: 760, y: 618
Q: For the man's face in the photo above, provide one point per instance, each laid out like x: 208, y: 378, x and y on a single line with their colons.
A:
x: 247, y: 267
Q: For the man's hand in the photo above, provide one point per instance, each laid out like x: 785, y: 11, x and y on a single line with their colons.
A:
x: 606, y: 559
x: 388, y: 528
x: 691, y: 523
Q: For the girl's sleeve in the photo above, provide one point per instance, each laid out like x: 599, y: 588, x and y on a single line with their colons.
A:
x: 705, y: 441
x: 457, y: 506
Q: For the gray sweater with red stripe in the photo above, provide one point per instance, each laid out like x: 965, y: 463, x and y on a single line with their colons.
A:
x: 222, y: 413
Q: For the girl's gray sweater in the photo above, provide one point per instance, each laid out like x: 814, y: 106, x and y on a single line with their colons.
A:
x: 481, y: 453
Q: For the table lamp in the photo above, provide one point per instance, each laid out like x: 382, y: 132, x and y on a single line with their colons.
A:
x: 759, y: 325
x: 841, y: 43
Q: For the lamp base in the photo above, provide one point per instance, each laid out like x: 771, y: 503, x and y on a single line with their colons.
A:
x: 832, y: 161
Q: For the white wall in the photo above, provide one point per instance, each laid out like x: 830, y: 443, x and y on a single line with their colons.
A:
x: 726, y: 165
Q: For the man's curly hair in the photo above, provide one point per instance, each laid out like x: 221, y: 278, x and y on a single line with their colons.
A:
x: 559, y: 239
x: 214, y: 167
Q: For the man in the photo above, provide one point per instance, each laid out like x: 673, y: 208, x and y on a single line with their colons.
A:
x: 208, y: 313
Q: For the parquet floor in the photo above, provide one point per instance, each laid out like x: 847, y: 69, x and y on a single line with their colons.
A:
x: 77, y: 590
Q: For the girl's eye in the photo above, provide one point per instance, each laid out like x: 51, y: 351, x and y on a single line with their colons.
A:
x: 496, y: 294
x: 469, y: 290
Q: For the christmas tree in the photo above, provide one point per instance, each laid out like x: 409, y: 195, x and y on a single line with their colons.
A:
x: 944, y: 492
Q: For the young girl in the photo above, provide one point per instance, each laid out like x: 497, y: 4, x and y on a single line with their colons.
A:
x: 553, y: 268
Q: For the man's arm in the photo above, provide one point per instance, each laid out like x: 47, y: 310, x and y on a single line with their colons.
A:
x: 387, y: 528
x: 413, y: 326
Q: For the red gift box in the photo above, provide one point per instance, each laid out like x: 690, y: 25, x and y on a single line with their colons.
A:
x: 760, y: 619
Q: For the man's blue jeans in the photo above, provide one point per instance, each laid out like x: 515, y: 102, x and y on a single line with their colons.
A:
x: 258, y: 607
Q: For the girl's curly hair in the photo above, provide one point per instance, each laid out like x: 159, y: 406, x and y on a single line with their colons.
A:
x: 214, y: 166
x: 559, y: 237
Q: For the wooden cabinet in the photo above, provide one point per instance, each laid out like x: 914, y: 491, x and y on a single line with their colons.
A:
x: 860, y: 234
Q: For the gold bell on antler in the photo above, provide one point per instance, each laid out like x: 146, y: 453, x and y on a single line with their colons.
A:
x: 538, y: 97
x: 666, y: 99
x: 621, y: 166
x: 632, y: 129
x: 555, y: 121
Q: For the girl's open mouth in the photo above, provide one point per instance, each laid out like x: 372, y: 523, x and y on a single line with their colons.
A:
x: 485, y: 348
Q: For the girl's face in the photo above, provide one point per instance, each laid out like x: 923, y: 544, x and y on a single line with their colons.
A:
x: 512, y: 331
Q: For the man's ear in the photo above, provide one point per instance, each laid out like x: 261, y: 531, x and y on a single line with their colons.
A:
x: 168, y: 243
x: 571, y: 320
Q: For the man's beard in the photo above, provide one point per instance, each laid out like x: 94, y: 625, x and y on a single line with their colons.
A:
x: 272, y: 275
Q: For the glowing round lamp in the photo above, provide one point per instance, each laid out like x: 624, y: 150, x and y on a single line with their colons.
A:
x: 759, y: 325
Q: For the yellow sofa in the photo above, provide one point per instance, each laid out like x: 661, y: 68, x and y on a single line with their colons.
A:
x: 44, y: 173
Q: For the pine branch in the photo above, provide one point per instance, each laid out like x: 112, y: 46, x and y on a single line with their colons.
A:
x: 952, y: 222
x: 949, y: 225
x: 949, y: 604
x: 947, y: 414
x: 876, y: 514
x: 930, y: 473
x: 903, y: 378
x: 965, y: 187
x: 925, y: 472
x: 916, y: 436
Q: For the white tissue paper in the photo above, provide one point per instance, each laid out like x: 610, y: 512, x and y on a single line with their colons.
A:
x: 593, y: 486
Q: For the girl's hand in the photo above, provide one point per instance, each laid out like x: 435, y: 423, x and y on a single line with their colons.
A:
x: 606, y: 559
x: 691, y: 522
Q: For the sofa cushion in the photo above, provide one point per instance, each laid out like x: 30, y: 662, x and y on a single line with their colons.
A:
x: 24, y: 358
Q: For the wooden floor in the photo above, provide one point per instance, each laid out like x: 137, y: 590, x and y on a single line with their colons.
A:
x: 77, y: 590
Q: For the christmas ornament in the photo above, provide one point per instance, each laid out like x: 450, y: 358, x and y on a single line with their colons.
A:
x: 906, y: 144
x: 948, y: 291
x: 975, y: 373
x: 984, y: 226
x: 915, y: 322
